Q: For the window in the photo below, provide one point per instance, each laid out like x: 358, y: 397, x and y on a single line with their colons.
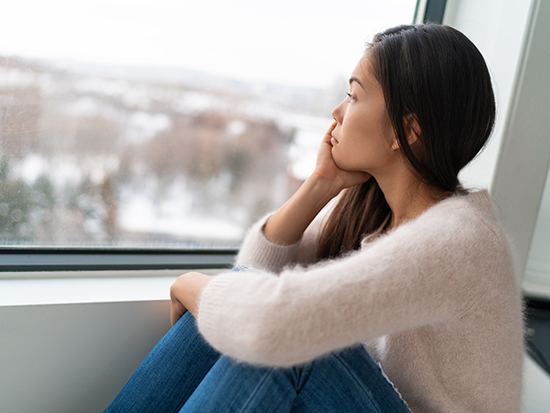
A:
x: 167, y: 123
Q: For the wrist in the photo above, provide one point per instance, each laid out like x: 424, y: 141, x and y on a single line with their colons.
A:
x: 321, y: 189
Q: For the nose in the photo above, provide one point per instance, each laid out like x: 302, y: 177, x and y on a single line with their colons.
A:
x: 338, y: 112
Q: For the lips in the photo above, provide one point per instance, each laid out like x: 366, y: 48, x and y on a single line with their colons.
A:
x: 334, y: 141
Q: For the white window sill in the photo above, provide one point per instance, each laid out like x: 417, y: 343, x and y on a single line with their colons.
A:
x: 536, y: 286
x: 87, y: 287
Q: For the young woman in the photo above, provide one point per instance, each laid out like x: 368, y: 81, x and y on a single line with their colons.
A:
x: 406, y: 269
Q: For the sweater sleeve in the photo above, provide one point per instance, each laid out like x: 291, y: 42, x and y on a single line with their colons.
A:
x: 424, y: 272
x: 261, y: 253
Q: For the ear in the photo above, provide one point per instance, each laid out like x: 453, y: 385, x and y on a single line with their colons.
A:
x: 412, y: 131
x: 395, y: 145
x: 412, y: 128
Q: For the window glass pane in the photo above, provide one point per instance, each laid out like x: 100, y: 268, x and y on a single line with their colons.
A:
x: 167, y: 122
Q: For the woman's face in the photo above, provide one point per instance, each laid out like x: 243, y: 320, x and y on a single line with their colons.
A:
x: 363, y: 137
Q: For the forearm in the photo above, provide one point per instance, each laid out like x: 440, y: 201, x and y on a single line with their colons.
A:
x: 287, y: 225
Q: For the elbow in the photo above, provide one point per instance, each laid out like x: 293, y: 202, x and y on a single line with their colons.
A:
x: 256, y: 344
x: 254, y: 350
x: 263, y: 344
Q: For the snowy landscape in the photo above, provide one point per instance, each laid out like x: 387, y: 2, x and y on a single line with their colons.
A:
x: 131, y: 156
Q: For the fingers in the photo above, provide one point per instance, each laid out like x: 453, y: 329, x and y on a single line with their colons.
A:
x: 185, y: 294
x: 332, y: 127
x: 328, y: 134
x: 176, y: 311
x: 328, y: 169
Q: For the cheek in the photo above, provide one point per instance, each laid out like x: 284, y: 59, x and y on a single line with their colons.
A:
x: 367, y: 152
x: 352, y: 154
x: 364, y: 142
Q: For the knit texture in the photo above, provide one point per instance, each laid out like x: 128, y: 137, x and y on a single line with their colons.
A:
x: 435, y: 301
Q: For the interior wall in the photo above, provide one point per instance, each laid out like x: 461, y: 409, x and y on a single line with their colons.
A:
x: 74, y: 357
x: 523, y: 161
x: 497, y: 28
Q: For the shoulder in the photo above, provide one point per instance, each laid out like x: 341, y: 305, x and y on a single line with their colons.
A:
x: 466, y: 215
x: 465, y: 232
x: 459, y: 228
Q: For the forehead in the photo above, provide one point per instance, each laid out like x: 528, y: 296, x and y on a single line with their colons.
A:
x: 363, y: 73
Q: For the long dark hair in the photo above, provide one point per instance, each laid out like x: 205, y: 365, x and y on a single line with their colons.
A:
x: 436, y: 75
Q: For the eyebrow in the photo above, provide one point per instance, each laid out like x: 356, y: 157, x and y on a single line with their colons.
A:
x: 354, y: 79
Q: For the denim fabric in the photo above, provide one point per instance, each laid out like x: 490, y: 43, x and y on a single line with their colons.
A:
x: 170, y: 373
x: 184, y: 374
x: 347, y: 381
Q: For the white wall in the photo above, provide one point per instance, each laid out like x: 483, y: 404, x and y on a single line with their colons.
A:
x: 497, y: 28
x: 73, y: 357
x: 514, y: 37
x: 523, y: 165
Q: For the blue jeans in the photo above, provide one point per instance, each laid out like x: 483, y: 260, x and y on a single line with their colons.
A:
x: 184, y: 374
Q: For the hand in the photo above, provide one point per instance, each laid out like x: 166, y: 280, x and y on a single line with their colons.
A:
x: 327, y: 170
x: 185, y: 294
x: 287, y: 225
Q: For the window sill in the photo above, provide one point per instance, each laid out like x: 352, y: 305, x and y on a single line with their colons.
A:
x: 88, y: 287
x: 536, y: 286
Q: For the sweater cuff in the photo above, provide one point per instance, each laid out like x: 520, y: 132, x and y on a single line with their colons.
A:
x: 211, y: 298
x: 264, y: 254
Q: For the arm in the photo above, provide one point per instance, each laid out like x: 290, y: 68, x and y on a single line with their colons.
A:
x: 286, y: 226
x: 423, y: 273
x: 291, y: 234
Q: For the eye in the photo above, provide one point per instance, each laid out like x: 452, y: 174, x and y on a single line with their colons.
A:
x: 351, y: 98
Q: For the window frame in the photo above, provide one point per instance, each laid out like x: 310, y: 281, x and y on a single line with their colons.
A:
x: 24, y: 259
x: 430, y: 11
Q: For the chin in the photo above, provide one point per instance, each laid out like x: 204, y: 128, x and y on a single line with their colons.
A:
x: 340, y: 163
x: 344, y: 167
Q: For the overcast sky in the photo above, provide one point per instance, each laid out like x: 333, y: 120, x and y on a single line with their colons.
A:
x: 300, y: 42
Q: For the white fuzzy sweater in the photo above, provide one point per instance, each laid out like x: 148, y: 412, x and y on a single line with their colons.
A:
x: 435, y: 301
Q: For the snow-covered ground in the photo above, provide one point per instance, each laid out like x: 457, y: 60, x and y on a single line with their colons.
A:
x: 134, y: 110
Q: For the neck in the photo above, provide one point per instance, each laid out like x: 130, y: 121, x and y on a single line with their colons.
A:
x: 408, y: 198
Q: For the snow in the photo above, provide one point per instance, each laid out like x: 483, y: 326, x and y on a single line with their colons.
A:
x: 139, y: 213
